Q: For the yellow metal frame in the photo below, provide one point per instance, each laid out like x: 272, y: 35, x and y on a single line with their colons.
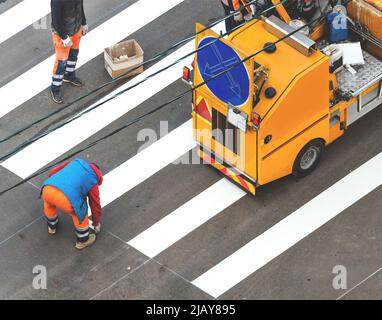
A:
x: 299, y: 113
x: 282, y: 11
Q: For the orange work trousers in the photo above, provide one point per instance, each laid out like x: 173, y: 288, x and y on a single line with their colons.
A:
x: 66, y: 59
x: 55, y: 199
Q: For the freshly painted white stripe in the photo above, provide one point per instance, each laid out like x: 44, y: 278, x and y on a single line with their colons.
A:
x: 47, y: 149
x: 187, y: 218
x: 141, y: 167
x: 21, y: 16
x: 112, y: 31
x: 292, y: 229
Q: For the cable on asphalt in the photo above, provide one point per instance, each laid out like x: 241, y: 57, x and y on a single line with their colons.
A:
x: 46, y: 168
x: 151, y: 60
x: 82, y: 113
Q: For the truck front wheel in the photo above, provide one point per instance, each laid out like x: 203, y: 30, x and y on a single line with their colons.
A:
x: 308, y: 158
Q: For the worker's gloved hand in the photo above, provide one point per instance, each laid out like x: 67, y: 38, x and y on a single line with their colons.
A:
x: 251, y: 14
x: 248, y: 17
x: 97, y: 228
x: 85, y: 29
x: 238, y: 17
x: 67, y: 42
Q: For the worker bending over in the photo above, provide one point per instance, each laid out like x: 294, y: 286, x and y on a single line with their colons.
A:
x: 68, y: 26
x: 68, y: 188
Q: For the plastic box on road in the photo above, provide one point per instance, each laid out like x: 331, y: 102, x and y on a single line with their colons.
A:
x: 123, y: 57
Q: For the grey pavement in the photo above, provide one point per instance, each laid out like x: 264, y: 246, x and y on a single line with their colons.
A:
x: 111, y: 269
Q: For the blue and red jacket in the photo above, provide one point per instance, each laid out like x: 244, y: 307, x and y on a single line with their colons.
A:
x: 79, y: 181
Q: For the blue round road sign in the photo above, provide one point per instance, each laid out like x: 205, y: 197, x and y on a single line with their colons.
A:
x: 231, y: 87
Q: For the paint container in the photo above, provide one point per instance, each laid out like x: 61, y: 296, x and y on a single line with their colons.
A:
x: 337, y: 27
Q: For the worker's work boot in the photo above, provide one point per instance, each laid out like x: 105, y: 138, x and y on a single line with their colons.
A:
x: 57, y: 96
x: 51, y: 230
x: 83, y: 245
x: 75, y: 81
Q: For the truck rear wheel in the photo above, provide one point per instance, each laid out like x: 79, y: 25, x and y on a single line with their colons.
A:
x: 308, y: 158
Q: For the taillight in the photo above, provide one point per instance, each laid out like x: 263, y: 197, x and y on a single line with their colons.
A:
x: 256, y: 120
x: 202, y: 110
x: 186, y: 74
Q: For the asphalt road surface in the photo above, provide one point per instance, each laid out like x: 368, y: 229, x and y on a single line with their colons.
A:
x: 170, y: 230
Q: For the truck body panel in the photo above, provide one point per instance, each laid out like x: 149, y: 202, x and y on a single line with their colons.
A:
x: 253, y: 124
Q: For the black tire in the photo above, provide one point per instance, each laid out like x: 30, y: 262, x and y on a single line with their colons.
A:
x: 308, y: 158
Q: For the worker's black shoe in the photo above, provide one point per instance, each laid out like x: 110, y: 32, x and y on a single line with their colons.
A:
x: 75, y: 81
x: 57, y: 97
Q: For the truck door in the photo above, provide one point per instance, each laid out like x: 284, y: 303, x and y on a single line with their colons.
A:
x: 223, y: 105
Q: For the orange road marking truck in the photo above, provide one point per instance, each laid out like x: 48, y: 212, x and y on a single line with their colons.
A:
x: 272, y: 115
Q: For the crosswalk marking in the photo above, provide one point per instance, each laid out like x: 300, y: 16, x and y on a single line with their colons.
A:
x: 187, y: 218
x: 142, y: 166
x: 292, y: 229
x: 110, y: 32
x: 134, y: 171
x: 45, y: 150
x: 21, y: 16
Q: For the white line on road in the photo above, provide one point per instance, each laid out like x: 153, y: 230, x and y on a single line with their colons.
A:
x: 45, y: 150
x: 187, y: 218
x: 21, y: 16
x: 141, y: 167
x: 110, y: 32
x: 359, y: 283
x: 292, y: 229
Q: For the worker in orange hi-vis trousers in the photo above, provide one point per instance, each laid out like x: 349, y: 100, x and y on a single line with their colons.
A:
x: 69, y: 188
x: 68, y: 26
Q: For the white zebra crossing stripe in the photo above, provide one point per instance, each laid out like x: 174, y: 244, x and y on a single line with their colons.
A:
x: 112, y: 31
x: 187, y: 218
x: 21, y: 16
x: 142, y: 166
x: 45, y: 150
x: 292, y: 229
